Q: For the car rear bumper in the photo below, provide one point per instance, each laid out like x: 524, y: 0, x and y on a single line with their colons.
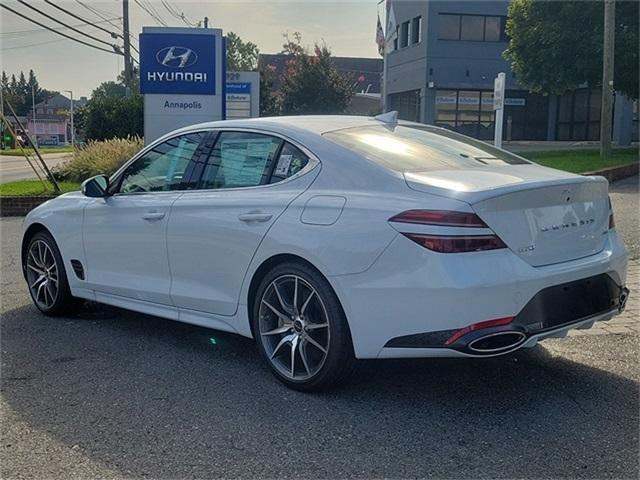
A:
x: 412, y: 300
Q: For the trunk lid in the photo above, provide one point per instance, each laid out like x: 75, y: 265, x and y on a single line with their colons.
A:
x: 544, y: 216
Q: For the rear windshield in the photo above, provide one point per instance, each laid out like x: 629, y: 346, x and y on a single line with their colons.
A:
x: 406, y: 148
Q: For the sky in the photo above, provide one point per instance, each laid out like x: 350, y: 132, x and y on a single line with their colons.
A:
x: 347, y: 27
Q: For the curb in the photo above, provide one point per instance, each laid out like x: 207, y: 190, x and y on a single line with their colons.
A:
x: 617, y: 173
x: 20, y: 206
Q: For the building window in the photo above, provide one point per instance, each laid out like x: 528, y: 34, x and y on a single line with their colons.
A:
x: 474, y: 28
x: 579, y: 115
x: 416, y: 30
x: 471, y: 112
x: 404, y: 34
x: 395, y: 38
x: 448, y: 27
x: 407, y: 104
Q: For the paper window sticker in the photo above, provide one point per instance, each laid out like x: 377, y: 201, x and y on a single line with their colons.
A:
x: 283, y: 165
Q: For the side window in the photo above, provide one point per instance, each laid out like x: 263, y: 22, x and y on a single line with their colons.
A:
x: 290, y: 162
x: 240, y: 159
x: 161, y: 168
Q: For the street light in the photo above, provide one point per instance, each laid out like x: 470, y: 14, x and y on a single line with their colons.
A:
x: 73, y: 132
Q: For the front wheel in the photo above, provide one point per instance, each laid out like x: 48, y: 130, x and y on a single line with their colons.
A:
x: 301, y: 329
x: 47, y: 278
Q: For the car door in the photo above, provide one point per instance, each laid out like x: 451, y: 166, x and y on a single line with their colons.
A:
x: 124, y: 234
x: 249, y: 180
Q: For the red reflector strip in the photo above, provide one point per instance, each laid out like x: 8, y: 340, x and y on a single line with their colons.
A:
x: 478, y: 326
x: 440, y: 217
x: 457, y: 244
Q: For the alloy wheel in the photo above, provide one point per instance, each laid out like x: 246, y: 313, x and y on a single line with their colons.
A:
x: 42, y: 274
x: 294, y: 327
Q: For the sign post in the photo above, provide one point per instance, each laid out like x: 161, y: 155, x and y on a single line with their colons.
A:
x: 182, y: 78
x: 498, y: 107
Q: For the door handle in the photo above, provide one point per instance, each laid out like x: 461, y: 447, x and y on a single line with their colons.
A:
x: 153, y: 216
x: 254, y: 217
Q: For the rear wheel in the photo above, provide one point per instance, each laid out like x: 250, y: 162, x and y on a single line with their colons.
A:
x: 47, y: 278
x: 301, y: 329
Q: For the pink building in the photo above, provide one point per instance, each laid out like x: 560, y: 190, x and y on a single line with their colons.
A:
x: 52, y: 125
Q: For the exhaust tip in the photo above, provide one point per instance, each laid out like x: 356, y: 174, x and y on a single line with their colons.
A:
x: 497, y: 342
x: 622, y: 300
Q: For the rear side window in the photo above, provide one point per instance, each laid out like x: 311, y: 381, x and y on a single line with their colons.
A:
x: 414, y: 149
x: 240, y: 159
x: 290, y: 162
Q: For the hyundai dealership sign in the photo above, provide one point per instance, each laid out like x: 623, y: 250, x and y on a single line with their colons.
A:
x: 178, y: 63
x: 181, y: 77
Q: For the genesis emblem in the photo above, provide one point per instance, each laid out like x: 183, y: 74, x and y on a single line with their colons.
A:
x: 176, y: 57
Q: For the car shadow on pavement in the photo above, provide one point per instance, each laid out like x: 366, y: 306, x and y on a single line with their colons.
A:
x: 150, y: 397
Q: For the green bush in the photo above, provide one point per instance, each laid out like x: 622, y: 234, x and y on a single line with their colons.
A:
x: 114, y: 117
x: 95, y: 158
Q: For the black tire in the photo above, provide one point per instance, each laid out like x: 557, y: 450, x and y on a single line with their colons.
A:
x: 339, y: 360
x: 64, y: 303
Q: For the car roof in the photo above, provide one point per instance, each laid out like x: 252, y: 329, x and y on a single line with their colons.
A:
x: 317, y: 124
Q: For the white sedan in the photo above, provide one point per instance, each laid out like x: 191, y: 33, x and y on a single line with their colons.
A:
x: 332, y: 238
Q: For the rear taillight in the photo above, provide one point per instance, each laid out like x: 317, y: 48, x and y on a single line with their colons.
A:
x: 478, y: 326
x: 457, y: 244
x: 440, y: 217
x: 449, y: 243
x: 612, y: 222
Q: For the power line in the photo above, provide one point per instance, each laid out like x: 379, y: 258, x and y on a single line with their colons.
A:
x: 55, y: 31
x: 97, y: 12
x: 113, y: 34
x: 36, y: 30
x: 64, y: 24
x: 154, y: 16
x: 33, y: 44
x: 176, y: 14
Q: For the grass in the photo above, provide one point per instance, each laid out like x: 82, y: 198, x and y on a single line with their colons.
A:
x: 25, y: 188
x: 581, y: 161
x: 16, y: 152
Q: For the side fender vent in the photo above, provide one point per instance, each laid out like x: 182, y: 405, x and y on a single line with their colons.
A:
x: 78, y: 269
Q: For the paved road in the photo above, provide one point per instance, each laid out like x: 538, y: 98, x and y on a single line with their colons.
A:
x: 116, y: 394
x: 626, y: 203
x: 16, y: 168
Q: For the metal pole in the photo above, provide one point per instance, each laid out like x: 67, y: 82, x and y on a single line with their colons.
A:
x: 606, y: 113
x: 127, y: 47
x: 33, y: 106
x: 73, y: 132
x: 206, y: 22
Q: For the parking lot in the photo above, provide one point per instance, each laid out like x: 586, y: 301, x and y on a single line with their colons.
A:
x: 116, y: 394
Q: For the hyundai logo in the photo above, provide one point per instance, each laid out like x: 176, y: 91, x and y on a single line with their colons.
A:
x: 176, y: 57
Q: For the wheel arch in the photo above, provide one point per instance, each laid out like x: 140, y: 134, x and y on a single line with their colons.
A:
x: 34, y: 228
x: 271, y: 263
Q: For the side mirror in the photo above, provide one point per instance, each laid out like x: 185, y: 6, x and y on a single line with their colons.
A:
x: 96, y: 187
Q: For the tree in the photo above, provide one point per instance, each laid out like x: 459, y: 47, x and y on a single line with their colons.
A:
x: 117, y: 88
x: 557, y: 46
x: 17, y: 91
x: 311, y: 84
x: 241, y: 56
x: 114, y: 117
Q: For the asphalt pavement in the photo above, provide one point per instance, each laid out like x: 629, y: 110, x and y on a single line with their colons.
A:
x: 17, y: 168
x: 114, y: 394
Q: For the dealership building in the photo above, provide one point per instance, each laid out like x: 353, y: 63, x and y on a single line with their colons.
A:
x: 441, y: 66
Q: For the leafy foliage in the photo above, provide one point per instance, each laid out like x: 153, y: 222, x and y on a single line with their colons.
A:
x: 17, y: 91
x: 117, y: 88
x: 95, y: 158
x: 311, y: 84
x: 557, y: 46
x: 114, y: 117
x: 241, y: 56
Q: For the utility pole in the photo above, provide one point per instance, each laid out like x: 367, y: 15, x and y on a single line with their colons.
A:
x: 33, y: 105
x: 73, y: 131
x: 127, y: 47
x: 606, y: 113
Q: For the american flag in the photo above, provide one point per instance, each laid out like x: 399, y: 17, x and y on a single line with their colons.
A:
x: 380, y: 37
